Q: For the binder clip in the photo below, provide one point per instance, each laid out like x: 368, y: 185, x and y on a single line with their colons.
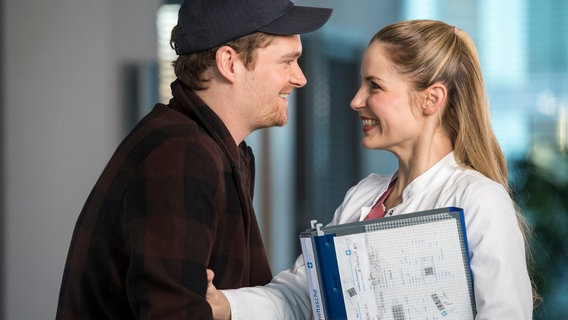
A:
x: 317, y: 226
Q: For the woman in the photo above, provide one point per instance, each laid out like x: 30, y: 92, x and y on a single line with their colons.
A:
x: 422, y: 98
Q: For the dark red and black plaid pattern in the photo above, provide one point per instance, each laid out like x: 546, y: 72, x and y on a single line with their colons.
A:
x: 174, y: 199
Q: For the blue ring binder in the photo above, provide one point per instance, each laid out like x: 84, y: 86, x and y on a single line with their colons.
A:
x: 418, y: 265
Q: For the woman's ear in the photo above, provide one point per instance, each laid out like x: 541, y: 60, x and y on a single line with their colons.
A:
x: 436, y: 96
x: 225, y: 59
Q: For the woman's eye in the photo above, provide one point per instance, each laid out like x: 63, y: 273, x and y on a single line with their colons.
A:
x: 374, y: 86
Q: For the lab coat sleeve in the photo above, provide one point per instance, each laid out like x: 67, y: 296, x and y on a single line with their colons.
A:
x: 285, y: 297
x: 501, y: 282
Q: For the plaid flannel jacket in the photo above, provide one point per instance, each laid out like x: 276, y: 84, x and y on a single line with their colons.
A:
x: 174, y: 199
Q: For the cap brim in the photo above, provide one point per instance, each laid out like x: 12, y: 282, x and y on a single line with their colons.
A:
x: 298, y: 20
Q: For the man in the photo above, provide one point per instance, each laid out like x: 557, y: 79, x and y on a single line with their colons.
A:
x: 176, y: 197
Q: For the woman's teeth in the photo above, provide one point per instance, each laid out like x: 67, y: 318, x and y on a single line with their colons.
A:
x: 370, y: 122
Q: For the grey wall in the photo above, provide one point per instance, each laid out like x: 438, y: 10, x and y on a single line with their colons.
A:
x: 61, y: 122
x: 62, y: 118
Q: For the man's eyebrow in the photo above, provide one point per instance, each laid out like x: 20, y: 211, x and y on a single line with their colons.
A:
x: 292, y: 55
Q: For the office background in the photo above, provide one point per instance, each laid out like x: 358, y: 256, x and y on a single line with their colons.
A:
x: 77, y: 74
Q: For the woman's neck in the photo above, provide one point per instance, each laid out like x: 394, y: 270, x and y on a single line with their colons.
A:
x: 416, y: 163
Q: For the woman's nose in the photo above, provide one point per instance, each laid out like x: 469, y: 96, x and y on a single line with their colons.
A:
x: 358, y: 100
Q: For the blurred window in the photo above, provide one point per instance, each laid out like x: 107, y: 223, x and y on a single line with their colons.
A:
x: 523, y: 49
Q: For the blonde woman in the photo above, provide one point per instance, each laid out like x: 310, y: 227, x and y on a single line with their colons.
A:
x: 422, y: 98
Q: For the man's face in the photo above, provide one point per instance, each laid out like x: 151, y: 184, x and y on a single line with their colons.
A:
x: 269, y: 82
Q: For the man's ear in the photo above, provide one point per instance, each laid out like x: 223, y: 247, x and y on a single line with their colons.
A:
x: 225, y: 59
x: 436, y: 96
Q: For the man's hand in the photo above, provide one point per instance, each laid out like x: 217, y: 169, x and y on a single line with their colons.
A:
x: 217, y: 300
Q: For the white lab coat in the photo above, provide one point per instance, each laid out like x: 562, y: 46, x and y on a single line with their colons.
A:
x: 497, y: 254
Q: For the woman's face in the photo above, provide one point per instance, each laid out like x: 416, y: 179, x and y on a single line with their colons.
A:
x: 390, y: 122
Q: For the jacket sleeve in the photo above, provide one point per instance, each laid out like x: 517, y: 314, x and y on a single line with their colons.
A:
x: 501, y: 282
x: 169, y: 230
x: 285, y: 297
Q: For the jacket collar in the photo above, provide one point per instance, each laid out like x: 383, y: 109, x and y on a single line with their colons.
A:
x: 187, y: 102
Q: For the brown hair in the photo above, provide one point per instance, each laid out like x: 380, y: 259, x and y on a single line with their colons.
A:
x: 428, y: 51
x: 190, y: 68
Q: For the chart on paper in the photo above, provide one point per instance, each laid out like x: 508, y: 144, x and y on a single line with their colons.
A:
x: 407, y: 272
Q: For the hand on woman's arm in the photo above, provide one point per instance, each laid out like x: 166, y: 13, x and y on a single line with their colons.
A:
x: 219, y: 303
x: 285, y: 297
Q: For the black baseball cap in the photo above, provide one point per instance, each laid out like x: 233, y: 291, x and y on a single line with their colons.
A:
x: 204, y: 24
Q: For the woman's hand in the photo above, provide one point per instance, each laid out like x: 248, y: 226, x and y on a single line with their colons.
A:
x: 219, y: 303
